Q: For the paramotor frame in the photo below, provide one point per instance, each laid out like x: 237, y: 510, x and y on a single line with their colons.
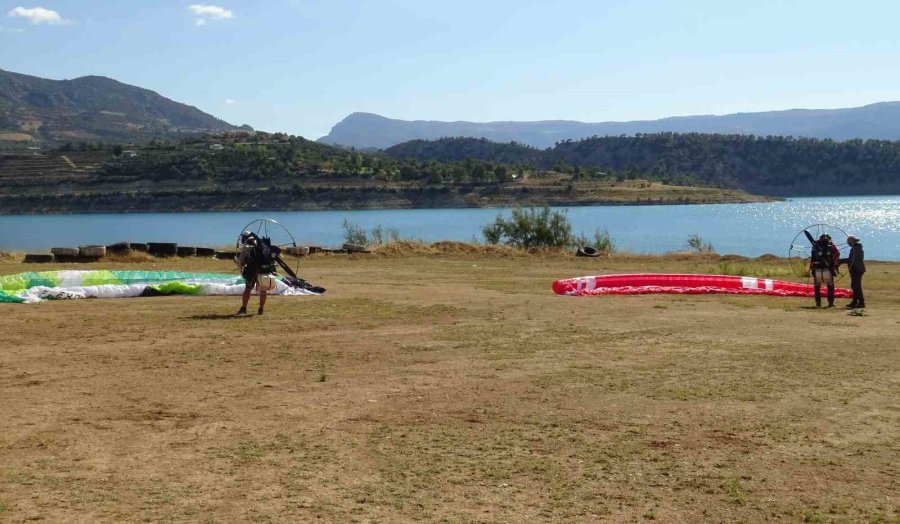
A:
x: 801, y: 247
x: 279, y: 236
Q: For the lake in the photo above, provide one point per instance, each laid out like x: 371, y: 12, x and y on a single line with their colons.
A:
x: 743, y: 229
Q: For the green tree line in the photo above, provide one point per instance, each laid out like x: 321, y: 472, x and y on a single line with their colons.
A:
x: 773, y: 164
x: 297, y: 159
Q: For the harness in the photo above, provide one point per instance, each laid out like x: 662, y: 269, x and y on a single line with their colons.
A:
x: 265, y: 256
x: 822, y: 256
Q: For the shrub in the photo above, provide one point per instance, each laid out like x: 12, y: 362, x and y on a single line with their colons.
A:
x: 383, y: 235
x: 531, y: 228
x: 354, y: 233
x: 695, y: 243
x: 602, y: 241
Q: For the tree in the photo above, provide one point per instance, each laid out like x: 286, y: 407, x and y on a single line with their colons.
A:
x: 407, y: 172
x: 501, y: 174
x: 478, y: 172
x: 354, y: 163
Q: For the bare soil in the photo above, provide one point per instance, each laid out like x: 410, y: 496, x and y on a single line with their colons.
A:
x: 16, y: 137
x: 452, y: 385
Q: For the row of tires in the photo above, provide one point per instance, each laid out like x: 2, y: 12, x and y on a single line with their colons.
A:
x: 68, y: 254
x: 83, y: 251
x: 123, y: 248
x: 163, y: 249
x: 91, y: 253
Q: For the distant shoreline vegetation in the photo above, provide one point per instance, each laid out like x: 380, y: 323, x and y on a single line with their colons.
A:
x: 245, y: 170
x: 238, y: 171
x: 772, y: 165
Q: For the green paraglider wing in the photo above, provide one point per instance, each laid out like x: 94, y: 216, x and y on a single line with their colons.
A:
x: 34, y: 287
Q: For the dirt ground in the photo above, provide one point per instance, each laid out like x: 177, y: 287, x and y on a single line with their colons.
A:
x: 452, y: 388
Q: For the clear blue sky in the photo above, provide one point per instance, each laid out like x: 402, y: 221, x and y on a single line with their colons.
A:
x: 300, y: 66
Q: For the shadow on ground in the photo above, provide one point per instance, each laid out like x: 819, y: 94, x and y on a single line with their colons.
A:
x: 216, y: 316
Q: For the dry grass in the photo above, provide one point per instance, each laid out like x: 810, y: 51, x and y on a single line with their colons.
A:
x: 448, y: 248
x: 451, y: 385
x: 132, y: 257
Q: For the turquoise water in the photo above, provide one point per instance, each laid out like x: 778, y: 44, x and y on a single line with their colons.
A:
x: 743, y: 229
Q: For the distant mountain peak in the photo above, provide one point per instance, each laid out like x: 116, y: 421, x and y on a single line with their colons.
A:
x: 360, y: 116
x: 880, y: 120
x: 100, y: 78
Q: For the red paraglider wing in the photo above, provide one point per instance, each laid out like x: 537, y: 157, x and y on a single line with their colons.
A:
x: 645, y: 283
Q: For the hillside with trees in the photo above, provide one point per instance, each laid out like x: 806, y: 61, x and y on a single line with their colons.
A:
x: 763, y: 165
x: 253, y: 170
x: 93, y: 108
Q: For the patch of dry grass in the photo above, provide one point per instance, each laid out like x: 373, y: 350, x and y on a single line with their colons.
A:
x: 132, y: 257
x: 449, y: 384
x: 449, y: 248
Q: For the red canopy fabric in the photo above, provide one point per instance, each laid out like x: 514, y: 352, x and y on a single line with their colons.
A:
x: 646, y: 283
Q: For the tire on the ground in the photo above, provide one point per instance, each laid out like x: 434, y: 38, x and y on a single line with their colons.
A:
x: 91, y: 251
x: 119, y: 248
x: 297, y: 251
x: 354, y: 248
x: 587, y: 251
x: 186, y: 251
x: 138, y: 246
x: 38, y: 258
x: 162, y: 249
x: 64, y: 251
x: 205, y: 252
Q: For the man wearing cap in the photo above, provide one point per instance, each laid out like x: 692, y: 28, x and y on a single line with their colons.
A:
x: 856, y: 264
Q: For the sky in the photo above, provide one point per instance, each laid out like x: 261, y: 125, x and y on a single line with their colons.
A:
x: 300, y: 66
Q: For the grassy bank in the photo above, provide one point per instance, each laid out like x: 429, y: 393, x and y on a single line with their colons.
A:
x: 448, y: 383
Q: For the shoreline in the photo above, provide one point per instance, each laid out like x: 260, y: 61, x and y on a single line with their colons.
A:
x: 377, y: 208
x: 126, y: 198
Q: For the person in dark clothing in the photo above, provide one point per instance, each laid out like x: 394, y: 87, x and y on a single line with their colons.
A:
x: 823, y: 266
x: 857, y: 265
x: 249, y: 261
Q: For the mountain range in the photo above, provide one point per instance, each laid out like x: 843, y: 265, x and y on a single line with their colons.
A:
x: 93, y: 108
x: 878, y: 121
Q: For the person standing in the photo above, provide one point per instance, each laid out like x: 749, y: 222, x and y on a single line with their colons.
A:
x: 823, y: 265
x: 857, y: 265
x: 249, y: 260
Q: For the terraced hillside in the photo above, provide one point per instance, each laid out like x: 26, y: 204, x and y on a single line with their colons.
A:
x: 26, y: 170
